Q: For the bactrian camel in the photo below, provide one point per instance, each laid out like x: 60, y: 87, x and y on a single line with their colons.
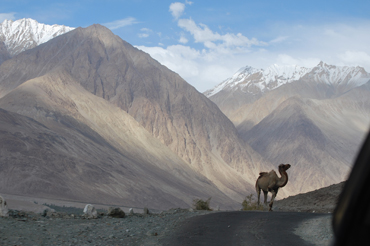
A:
x: 270, y: 182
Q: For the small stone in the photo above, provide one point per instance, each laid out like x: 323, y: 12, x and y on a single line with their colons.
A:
x: 116, y: 212
x: 131, y: 211
x: 152, y: 233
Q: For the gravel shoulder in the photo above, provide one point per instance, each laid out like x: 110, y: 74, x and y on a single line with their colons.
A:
x: 317, y: 231
x: 27, y: 228
x: 29, y: 225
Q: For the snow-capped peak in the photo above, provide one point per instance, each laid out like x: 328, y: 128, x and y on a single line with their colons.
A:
x: 259, y: 80
x: 24, y: 34
x: 336, y: 75
x: 256, y: 81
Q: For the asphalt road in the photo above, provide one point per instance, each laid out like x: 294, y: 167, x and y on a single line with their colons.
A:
x: 241, y: 228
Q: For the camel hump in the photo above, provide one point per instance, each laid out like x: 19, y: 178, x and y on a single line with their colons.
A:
x: 263, y: 173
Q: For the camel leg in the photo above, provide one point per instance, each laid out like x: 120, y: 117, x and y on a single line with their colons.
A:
x: 258, y: 194
x: 274, y: 193
x: 265, y: 197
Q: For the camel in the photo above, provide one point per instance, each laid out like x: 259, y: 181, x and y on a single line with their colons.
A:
x: 270, y: 182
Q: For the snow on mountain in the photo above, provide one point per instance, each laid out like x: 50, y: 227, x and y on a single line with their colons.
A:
x: 24, y: 34
x: 255, y: 81
x: 336, y: 75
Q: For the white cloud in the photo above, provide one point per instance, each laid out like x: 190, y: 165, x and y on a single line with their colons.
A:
x: 143, y: 35
x: 333, y: 43
x: 183, y: 40
x: 221, y: 55
x: 121, y: 23
x: 284, y: 59
x: 278, y: 39
x: 177, y: 9
x: 201, y: 68
x: 7, y: 16
x: 355, y: 58
x: 203, y: 34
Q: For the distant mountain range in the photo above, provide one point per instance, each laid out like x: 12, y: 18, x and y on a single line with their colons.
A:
x: 86, y: 116
x: 313, y: 118
x: 257, y: 81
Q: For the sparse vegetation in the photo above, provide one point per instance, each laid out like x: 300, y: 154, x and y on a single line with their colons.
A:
x: 250, y: 204
x: 199, y: 204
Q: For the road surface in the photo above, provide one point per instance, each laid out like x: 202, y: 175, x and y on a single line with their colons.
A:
x: 241, y: 228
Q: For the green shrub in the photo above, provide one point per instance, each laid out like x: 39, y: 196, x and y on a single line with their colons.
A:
x: 199, y: 204
x: 249, y: 204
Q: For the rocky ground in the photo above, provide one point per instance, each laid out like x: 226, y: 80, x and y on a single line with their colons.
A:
x: 322, y: 200
x: 27, y: 228
x: 68, y: 226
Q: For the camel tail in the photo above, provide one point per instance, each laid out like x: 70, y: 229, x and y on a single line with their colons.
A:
x: 257, y: 187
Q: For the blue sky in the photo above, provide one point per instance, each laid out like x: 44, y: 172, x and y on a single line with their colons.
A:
x: 207, y: 41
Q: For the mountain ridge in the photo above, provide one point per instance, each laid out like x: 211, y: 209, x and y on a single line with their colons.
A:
x: 315, y: 121
x: 258, y: 81
x: 26, y: 33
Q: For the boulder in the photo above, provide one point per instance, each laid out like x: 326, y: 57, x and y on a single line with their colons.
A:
x: 4, y: 212
x: 90, y: 212
x: 131, y: 211
x: 116, y: 212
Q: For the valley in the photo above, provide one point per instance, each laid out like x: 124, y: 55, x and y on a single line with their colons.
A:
x: 87, y: 117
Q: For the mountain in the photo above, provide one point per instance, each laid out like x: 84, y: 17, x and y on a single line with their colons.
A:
x: 91, y: 87
x: 256, y: 81
x: 313, y: 118
x: 20, y: 35
x: 235, y: 95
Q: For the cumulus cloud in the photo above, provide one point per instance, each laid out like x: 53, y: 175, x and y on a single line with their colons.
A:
x: 177, y: 9
x: 212, y: 40
x: 7, y: 16
x: 217, y: 56
x: 121, y: 23
x: 201, y: 68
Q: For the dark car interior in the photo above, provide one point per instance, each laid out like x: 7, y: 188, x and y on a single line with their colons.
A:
x: 351, y: 218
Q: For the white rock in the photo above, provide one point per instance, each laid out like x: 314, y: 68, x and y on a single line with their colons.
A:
x: 4, y: 212
x: 90, y: 212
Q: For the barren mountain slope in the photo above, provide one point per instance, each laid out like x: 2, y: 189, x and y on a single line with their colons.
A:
x: 319, y: 136
x: 163, y: 103
x: 88, y: 150
x: 4, y: 54
x: 295, y: 133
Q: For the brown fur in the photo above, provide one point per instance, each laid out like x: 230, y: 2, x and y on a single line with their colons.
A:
x: 270, y: 182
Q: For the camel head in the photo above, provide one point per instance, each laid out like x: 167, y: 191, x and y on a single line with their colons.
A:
x: 284, y: 167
